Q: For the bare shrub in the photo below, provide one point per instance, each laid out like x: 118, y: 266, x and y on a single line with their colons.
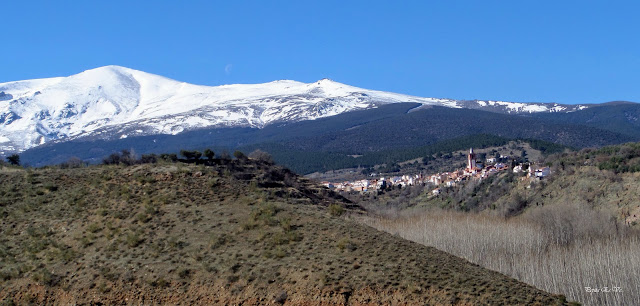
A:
x: 73, y: 162
x: 261, y: 156
x: 566, y: 224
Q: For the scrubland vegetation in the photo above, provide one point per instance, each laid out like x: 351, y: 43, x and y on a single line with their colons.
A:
x: 214, y: 231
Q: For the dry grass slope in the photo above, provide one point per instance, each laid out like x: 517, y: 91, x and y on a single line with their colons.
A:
x: 242, y: 232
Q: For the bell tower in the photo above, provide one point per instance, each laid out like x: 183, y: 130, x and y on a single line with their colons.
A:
x: 471, y: 160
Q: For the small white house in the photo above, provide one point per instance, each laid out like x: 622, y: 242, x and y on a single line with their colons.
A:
x: 328, y: 185
x: 542, y: 172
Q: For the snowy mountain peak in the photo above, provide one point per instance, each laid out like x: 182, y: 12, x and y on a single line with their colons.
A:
x: 326, y: 81
x: 108, y: 69
x: 114, y: 101
x: 113, y: 69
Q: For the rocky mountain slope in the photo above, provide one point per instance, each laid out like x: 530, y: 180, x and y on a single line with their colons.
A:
x: 116, y: 102
x: 222, y: 232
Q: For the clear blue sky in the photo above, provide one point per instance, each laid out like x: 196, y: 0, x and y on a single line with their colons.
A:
x: 547, y: 51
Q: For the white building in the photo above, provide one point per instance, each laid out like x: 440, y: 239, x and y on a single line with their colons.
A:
x: 328, y: 185
x: 542, y: 172
x: 500, y: 166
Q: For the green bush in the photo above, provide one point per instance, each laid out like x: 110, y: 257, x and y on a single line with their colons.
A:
x: 345, y: 243
x: 50, y: 187
x: 216, y: 241
x: 93, y: 228
x: 7, y: 273
x: 143, y: 218
x: 184, y: 273
x: 133, y: 240
x: 265, y: 214
x: 45, y: 277
x: 169, y: 157
x: 336, y: 210
x: 209, y: 154
x: 14, y: 159
x: 191, y: 155
x: 279, y: 252
x: 239, y: 155
x: 160, y: 283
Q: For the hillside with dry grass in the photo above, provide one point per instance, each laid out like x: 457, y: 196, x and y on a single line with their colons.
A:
x: 221, y: 232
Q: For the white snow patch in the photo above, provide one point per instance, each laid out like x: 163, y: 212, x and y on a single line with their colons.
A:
x: 516, y: 107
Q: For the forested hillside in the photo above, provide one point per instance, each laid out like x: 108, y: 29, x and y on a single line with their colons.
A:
x: 618, y: 117
x: 305, y: 162
x: 384, y: 129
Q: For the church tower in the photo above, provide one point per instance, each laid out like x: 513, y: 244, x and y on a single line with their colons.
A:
x: 471, y: 160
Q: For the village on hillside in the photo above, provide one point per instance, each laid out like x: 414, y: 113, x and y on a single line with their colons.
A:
x: 475, y: 170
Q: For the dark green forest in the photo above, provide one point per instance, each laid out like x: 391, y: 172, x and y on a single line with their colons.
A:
x: 319, y: 161
x: 389, y: 133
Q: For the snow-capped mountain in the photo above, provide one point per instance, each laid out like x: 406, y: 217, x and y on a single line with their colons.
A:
x: 118, y: 102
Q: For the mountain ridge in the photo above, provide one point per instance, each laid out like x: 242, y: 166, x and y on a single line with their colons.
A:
x: 118, y: 102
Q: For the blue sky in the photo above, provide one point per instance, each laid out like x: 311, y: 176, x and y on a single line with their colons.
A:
x: 546, y: 51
